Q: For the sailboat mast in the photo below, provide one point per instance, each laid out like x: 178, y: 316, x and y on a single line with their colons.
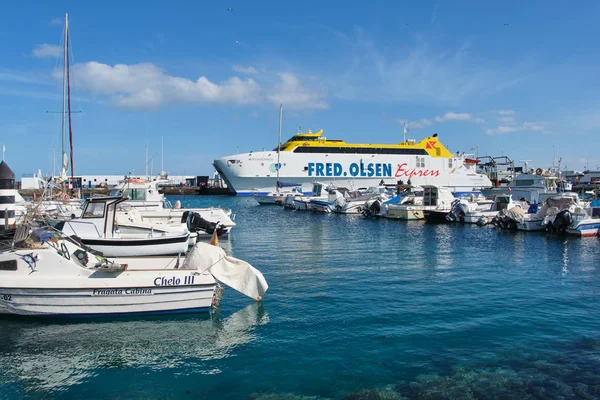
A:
x: 279, y: 145
x: 69, y: 107
x: 64, y: 106
x: 146, y: 158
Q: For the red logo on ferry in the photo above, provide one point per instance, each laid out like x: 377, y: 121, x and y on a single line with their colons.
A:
x: 410, y: 173
x: 430, y: 144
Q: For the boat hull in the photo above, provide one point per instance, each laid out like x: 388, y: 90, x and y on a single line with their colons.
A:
x: 405, y: 214
x: 436, y: 217
x: 106, y: 301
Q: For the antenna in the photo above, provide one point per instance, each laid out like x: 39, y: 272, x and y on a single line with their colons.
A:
x: 406, y: 130
x: 526, y: 163
x: 162, y: 155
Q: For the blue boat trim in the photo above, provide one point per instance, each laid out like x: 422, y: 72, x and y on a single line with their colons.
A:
x: 121, y: 314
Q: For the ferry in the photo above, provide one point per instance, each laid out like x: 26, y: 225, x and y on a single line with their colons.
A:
x: 308, y: 157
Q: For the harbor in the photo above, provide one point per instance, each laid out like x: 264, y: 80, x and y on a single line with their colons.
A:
x: 357, y: 308
x: 295, y: 202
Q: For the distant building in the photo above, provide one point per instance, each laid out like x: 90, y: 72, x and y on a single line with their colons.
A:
x: 592, y: 177
x: 37, y: 180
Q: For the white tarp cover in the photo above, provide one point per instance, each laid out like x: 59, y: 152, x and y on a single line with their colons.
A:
x: 235, y: 273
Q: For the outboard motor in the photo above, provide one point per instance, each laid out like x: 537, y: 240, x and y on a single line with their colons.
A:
x: 196, y: 223
x: 458, y: 211
x: 372, y: 210
x: 503, y: 221
x: 562, y: 221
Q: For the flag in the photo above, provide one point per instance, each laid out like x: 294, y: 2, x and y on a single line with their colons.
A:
x: 214, y: 240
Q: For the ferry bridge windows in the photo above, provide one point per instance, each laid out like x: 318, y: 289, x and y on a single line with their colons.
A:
x: 420, y: 162
x: 449, y: 163
x: 358, y: 150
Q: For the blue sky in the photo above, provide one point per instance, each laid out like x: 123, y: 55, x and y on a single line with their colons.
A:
x: 513, y: 78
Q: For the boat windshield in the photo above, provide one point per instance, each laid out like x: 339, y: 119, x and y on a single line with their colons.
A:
x: 115, y: 193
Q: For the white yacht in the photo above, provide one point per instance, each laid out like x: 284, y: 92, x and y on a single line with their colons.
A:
x: 412, y: 206
x: 47, y: 274
x: 153, y: 207
x: 98, y: 230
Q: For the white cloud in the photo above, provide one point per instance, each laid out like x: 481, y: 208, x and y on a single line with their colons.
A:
x: 146, y: 86
x: 290, y: 92
x: 525, y: 127
x: 452, y: 116
x: 427, y: 71
x: 505, y: 112
x: 506, y: 120
x: 244, y: 70
x: 47, y: 50
x: 421, y: 123
x: 479, y: 120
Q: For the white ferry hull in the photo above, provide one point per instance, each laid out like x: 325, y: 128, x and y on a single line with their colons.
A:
x: 250, y: 173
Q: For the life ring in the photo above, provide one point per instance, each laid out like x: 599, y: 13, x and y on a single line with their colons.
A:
x: 538, y: 171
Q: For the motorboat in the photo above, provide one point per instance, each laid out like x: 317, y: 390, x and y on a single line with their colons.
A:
x: 355, y: 202
x: 97, y: 229
x: 474, y: 212
x: 48, y: 274
x: 278, y: 196
x: 154, y: 207
x: 412, y: 206
x: 441, y: 215
x: 535, y: 217
x: 318, y: 192
x: 335, y: 200
x: 574, y: 220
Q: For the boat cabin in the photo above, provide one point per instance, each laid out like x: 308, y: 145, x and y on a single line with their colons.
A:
x: 435, y: 196
x: 97, y: 220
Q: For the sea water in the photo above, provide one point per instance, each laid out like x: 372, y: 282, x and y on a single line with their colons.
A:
x: 357, y: 309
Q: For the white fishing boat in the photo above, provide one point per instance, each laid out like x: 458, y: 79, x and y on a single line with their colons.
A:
x: 46, y: 274
x: 475, y: 212
x: 98, y: 230
x: 574, y: 220
x: 278, y: 196
x: 534, y: 218
x: 319, y: 192
x: 413, y: 205
x: 153, y: 207
x: 355, y: 202
x: 334, y: 201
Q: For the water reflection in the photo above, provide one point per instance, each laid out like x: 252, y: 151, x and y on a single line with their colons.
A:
x: 49, y: 357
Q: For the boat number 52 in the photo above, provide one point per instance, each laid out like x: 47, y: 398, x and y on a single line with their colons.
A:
x: 6, y: 297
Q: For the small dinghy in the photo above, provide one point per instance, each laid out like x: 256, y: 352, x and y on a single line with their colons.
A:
x: 98, y: 230
x: 47, y: 274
